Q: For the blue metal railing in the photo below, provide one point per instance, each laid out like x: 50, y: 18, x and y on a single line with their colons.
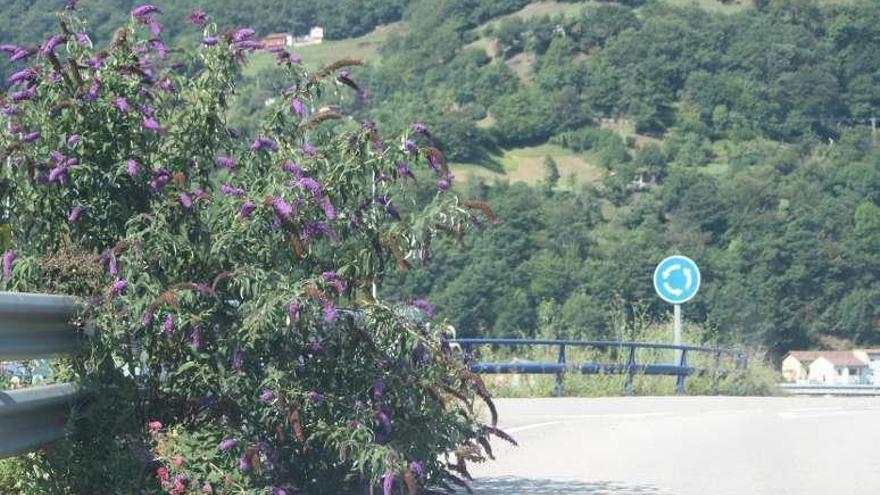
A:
x: 680, y: 369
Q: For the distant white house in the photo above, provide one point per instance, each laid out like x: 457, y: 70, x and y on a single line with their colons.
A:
x: 872, y: 357
x: 828, y: 367
x: 315, y: 36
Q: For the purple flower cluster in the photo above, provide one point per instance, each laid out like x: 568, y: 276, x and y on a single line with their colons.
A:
x: 314, y: 396
x: 293, y: 312
x: 27, y: 94
x: 310, y: 185
x: 185, y: 200
x: 8, y: 261
x: 417, y: 469
x: 118, y: 287
x: 246, y: 209
x: 335, y: 280
x: 52, y: 43
x: 151, y: 124
x: 421, y: 128
x: 122, y: 104
x: 230, y: 190
x: 132, y: 167
x: 197, y: 337
x: 282, y: 209
x: 297, y: 106
x: 75, y: 214
x: 293, y: 168
x: 227, y: 444
x: 243, y: 34
x: 424, y: 306
x: 267, y: 396
x: 329, y: 312
x: 388, y: 484
x: 198, y: 17
x: 24, y: 76
x: 143, y: 11
x: 162, y: 177
x: 21, y: 54
x: 168, y: 325
x: 262, y: 143
x: 249, y: 45
x: 226, y: 162
x: 403, y: 170
x: 329, y: 210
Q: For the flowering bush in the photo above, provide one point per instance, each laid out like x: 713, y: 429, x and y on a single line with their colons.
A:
x: 238, y: 348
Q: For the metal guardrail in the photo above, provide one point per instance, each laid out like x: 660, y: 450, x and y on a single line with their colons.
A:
x: 681, y: 370
x: 822, y: 389
x: 35, y: 326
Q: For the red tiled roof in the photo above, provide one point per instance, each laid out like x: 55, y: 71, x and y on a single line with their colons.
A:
x: 837, y: 358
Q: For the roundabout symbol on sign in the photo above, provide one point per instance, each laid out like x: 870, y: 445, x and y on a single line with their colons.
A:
x: 677, y: 279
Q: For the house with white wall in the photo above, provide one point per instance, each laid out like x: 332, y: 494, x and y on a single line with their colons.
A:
x: 829, y: 367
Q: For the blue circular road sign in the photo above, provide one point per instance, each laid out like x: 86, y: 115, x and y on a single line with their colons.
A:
x: 677, y: 279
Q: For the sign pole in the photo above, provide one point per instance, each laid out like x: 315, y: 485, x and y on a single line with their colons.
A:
x: 676, y: 329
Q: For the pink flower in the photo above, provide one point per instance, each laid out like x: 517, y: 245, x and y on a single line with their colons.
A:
x: 154, y: 426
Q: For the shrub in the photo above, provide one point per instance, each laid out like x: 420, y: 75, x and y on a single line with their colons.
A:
x: 238, y: 350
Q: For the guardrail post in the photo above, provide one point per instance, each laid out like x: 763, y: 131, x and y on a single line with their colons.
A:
x: 630, y: 367
x: 560, y: 375
x: 679, y: 381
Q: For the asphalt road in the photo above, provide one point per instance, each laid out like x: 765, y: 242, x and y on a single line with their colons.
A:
x: 686, y: 446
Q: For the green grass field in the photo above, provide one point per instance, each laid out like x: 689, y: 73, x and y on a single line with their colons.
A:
x: 527, y: 165
x: 364, y: 47
x: 712, y: 5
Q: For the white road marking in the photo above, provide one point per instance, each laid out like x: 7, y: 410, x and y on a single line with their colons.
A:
x: 576, y: 417
x: 814, y: 409
x: 823, y: 414
x: 736, y: 411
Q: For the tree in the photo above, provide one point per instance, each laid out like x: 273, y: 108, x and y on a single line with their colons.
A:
x: 238, y: 347
x: 551, y: 173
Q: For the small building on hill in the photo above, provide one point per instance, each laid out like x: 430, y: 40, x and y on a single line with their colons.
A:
x: 315, y: 36
x: 278, y: 41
